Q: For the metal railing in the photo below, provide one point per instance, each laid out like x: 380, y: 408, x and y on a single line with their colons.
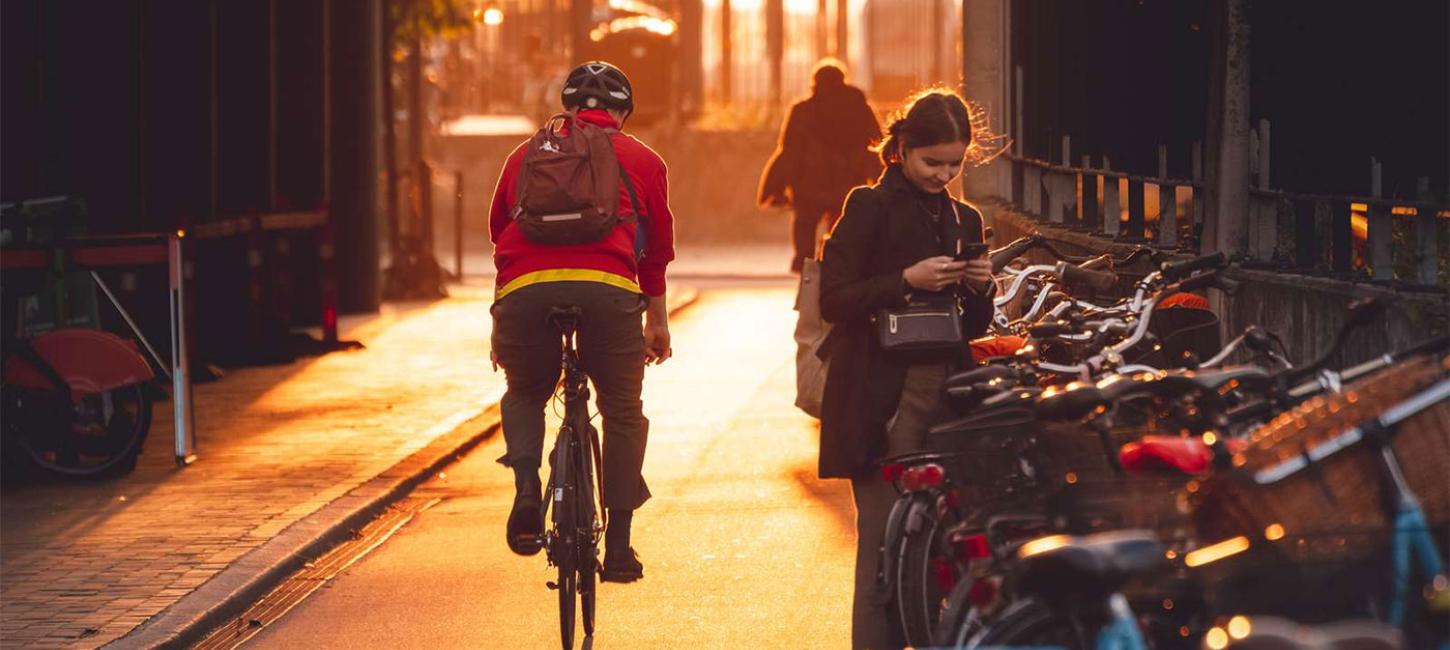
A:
x: 1343, y: 235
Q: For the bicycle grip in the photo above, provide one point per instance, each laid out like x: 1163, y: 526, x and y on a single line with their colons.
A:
x: 1200, y: 281
x: 1174, y: 270
x: 1004, y: 255
x: 1081, y: 277
x: 1047, y: 330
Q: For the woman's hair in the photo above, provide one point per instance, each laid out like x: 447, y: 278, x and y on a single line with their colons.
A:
x: 932, y: 116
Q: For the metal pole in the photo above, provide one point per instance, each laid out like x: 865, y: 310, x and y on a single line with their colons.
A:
x: 182, y: 415
x: 458, y: 225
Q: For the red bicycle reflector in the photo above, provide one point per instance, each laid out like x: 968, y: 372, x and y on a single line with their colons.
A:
x: 982, y: 592
x: 922, y: 477
x: 973, y: 546
x: 892, y: 471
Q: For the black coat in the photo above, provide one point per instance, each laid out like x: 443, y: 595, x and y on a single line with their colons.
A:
x: 823, y: 151
x: 883, y: 230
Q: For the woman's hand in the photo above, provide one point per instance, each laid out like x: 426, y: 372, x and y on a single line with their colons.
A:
x: 936, y: 273
x: 978, y: 275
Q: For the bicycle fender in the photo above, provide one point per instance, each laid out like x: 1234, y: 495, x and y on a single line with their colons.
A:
x: 891, y: 539
x: 90, y: 361
x: 916, y: 516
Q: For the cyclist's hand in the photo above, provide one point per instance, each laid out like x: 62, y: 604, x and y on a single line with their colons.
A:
x: 935, y: 273
x: 657, y: 343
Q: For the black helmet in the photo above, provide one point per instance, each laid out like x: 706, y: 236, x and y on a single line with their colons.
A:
x: 597, y: 84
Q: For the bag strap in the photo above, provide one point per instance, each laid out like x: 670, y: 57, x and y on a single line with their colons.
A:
x: 641, y: 236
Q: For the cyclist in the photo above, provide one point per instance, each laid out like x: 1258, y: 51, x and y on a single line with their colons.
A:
x: 612, y: 283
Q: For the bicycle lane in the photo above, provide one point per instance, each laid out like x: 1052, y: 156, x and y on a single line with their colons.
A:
x: 289, y: 457
x: 742, y: 545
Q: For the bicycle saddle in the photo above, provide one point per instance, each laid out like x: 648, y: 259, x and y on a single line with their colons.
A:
x: 1072, y: 402
x: 982, y: 375
x: 1171, y: 453
x: 1066, y: 568
x: 564, y: 318
x: 1215, y: 379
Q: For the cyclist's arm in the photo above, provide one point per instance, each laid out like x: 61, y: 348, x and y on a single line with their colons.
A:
x: 660, y: 240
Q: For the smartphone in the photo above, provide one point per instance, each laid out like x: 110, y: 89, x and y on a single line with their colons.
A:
x: 971, y: 252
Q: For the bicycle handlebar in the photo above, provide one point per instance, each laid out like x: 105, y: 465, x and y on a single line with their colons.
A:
x: 1078, y: 276
x: 1175, y: 270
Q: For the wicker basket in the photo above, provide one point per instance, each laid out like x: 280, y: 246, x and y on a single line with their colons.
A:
x: 1335, y: 507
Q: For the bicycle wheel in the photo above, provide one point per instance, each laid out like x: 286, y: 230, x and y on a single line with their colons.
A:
x: 101, y: 436
x: 1031, y: 622
x: 588, y: 565
x: 919, y: 592
x: 565, y: 554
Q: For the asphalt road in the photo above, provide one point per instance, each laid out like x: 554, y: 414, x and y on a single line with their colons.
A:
x: 743, y: 547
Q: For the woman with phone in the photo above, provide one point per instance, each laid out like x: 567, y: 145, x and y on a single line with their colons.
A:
x: 905, y: 282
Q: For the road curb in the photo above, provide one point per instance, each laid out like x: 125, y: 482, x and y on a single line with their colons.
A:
x: 230, y: 592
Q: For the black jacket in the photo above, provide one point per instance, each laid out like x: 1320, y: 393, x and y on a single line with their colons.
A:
x: 883, y: 230
x: 823, y: 151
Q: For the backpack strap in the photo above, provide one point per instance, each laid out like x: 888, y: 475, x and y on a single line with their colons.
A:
x: 641, y: 236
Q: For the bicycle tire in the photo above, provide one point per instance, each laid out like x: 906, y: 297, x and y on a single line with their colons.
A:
x: 588, y: 563
x: 113, y: 452
x: 959, y: 623
x: 1030, y: 622
x: 918, y: 597
x: 566, y: 553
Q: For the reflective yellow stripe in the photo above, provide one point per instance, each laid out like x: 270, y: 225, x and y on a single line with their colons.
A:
x: 567, y: 275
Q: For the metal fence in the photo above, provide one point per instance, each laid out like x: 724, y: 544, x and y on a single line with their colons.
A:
x: 1353, y: 237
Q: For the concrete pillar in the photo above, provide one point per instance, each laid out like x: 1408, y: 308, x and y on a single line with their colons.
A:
x: 354, y: 72
x: 692, y: 51
x: 984, y: 36
x: 775, y: 46
x: 1228, y: 182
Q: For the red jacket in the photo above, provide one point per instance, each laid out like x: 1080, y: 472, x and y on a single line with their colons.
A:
x: 612, y: 260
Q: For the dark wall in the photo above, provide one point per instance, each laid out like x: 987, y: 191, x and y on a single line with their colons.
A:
x: 1119, y: 76
x: 1341, y: 82
x: 169, y: 113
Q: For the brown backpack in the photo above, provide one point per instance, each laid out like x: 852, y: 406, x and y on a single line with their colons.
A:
x: 568, y: 188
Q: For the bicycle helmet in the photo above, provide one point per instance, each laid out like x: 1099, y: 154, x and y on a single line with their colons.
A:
x: 597, y: 84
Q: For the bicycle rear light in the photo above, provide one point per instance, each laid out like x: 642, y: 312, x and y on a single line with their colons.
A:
x: 982, y: 593
x: 972, y: 546
x: 892, y: 471
x: 922, y: 477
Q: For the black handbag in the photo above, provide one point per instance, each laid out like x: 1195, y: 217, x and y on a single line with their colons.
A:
x: 929, y: 321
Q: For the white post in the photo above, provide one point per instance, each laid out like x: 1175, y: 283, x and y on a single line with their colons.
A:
x: 180, y: 369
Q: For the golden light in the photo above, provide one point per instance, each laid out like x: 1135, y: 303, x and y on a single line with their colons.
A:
x: 1210, y: 438
x: 1274, y: 532
x: 1183, y: 631
x: 1043, y: 545
x: 1217, y: 639
x: 1071, y: 478
x: 1216, y: 552
x: 1167, y: 603
x: 180, y: 234
x: 492, y: 16
x: 1171, y: 554
x: 1404, y: 211
x: 1239, y: 627
x: 477, y: 14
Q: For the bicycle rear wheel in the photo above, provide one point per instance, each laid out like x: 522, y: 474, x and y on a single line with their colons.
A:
x: 1030, y: 622
x: 588, y: 565
x: 565, y: 554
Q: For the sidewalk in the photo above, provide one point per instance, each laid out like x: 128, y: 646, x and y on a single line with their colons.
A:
x: 285, y: 455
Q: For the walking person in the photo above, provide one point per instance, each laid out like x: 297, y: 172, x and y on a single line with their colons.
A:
x: 824, y: 151
x: 613, y: 279
x: 899, y: 242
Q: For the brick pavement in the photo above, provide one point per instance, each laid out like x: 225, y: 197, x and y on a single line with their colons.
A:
x: 82, y: 563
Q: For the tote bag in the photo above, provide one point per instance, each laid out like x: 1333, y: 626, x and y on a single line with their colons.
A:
x: 810, y: 334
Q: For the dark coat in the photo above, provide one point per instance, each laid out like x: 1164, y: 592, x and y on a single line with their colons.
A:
x: 824, y: 150
x: 883, y: 230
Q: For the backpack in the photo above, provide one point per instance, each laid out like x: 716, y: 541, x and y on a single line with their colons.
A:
x: 568, y: 186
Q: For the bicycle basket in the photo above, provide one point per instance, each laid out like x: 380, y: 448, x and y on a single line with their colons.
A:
x: 1334, y: 507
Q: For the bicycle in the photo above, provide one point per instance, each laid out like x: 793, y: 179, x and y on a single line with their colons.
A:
x: 572, y: 542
